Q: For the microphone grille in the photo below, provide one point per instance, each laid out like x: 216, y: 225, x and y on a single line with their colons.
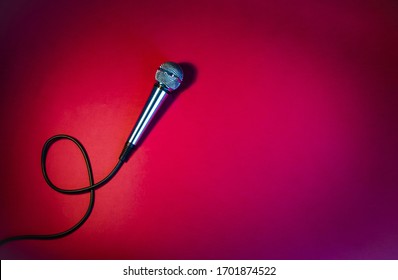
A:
x: 169, y: 74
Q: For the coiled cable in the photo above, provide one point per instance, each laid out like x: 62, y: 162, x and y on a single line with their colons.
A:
x: 91, y: 189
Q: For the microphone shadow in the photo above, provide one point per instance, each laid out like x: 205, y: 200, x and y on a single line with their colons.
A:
x: 190, y: 74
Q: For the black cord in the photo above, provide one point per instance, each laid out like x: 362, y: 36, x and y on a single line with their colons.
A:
x: 91, y: 188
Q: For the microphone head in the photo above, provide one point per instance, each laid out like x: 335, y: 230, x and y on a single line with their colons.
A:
x: 170, y: 75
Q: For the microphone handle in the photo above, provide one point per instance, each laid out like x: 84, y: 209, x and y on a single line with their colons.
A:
x: 158, y: 96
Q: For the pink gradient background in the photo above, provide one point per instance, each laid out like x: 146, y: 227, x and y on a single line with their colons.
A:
x: 284, y: 146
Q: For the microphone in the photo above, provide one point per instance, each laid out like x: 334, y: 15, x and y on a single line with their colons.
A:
x: 168, y: 78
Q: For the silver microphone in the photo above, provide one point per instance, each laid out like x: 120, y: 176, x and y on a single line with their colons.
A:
x: 168, y: 78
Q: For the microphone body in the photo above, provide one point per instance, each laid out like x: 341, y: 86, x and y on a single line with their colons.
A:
x: 168, y: 78
x: 157, y: 97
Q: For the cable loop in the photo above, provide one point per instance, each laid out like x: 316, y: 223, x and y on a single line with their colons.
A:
x: 91, y: 188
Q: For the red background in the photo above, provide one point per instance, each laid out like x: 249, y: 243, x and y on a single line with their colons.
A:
x: 283, y: 144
